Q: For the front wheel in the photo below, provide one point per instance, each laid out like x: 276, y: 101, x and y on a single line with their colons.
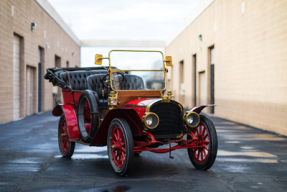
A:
x: 120, y: 146
x: 204, y: 156
x: 66, y: 147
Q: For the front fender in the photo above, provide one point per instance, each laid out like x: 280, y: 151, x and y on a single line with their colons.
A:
x: 71, y: 119
x: 199, y: 108
x: 130, y: 115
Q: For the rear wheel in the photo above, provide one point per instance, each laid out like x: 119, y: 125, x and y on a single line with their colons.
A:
x: 204, y: 156
x: 66, y: 147
x: 120, y: 146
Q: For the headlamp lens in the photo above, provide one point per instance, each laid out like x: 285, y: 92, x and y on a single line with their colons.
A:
x: 189, y: 120
x: 149, y: 120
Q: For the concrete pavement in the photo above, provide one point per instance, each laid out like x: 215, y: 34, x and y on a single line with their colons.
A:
x: 248, y: 159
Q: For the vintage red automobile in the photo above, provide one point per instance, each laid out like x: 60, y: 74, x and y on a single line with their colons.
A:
x: 125, y: 107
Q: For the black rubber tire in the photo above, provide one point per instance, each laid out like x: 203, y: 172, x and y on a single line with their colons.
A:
x: 88, y: 96
x: 129, y: 146
x: 71, y: 147
x: 213, y: 146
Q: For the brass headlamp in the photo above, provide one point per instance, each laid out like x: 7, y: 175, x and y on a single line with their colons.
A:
x: 191, y: 119
x: 150, y: 120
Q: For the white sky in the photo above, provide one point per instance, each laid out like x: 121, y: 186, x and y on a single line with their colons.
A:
x: 122, y: 20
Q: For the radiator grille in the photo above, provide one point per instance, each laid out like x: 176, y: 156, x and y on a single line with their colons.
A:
x: 170, y: 119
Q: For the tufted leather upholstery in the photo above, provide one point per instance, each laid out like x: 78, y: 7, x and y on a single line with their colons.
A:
x: 79, y: 78
x: 132, y: 82
x: 94, y: 83
x: 82, y: 80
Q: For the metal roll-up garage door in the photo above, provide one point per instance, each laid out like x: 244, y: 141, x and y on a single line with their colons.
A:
x: 202, y: 88
x: 16, y: 77
x: 30, y: 89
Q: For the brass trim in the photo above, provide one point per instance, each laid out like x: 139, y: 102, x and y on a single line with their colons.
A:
x: 163, y: 62
x: 168, y: 60
x: 165, y: 100
x: 179, y: 136
x: 150, y: 104
x: 143, y: 96
x: 147, y: 109
x: 135, y: 70
x: 144, y: 119
x: 181, y: 108
x: 185, y: 118
x: 99, y: 58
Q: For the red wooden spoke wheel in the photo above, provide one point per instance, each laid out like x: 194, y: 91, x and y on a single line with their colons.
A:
x: 64, y: 136
x: 66, y: 147
x: 200, y: 154
x: 203, y: 156
x: 120, y: 146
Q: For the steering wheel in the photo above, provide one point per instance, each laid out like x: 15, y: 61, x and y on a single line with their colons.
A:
x: 108, y: 86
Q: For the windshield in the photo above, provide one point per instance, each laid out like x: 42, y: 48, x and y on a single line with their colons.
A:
x: 137, y: 70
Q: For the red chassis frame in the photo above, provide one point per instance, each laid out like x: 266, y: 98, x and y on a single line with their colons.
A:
x: 181, y: 144
x: 133, y: 116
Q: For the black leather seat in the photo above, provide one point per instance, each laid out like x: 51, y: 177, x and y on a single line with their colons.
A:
x: 132, y: 82
x: 79, y: 78
x: 94, y: 83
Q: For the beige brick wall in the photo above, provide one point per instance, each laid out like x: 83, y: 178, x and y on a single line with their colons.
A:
x: 26, y: 12
x: 250, y: 61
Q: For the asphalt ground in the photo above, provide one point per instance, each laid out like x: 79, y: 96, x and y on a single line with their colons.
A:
x: 248, y: 159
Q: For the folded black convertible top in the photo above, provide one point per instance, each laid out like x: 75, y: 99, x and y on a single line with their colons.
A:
x: 53, y: 74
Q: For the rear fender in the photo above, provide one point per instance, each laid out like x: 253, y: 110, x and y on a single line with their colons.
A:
x: 130, y: 115
x: 199, y: 108
x: 71, y: 119
x: 57, y: 111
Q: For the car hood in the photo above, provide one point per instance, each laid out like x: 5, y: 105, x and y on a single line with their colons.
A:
x: 140, y: 102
